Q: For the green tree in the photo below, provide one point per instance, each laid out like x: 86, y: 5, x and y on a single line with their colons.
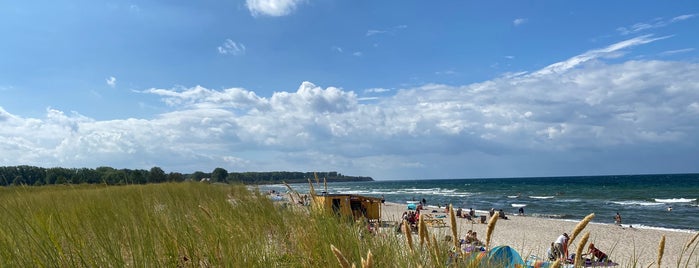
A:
x: 156, y: 175
x: 219, y: 175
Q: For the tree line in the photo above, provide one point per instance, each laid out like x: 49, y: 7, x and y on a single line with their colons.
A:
x: 32, y: 175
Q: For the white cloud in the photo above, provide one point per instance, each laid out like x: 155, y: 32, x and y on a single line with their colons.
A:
x: 677, y: 51
x: 376, y: 90
x: 609, y: 51
x: 683, y: 17
x: 357, y: 54
x: 230, y: 47
x: 274, y: 8
x: 653, y: 24
x: 338, y: 49
x: 391, y: 30
x: 519, y: 21
x: 374, y: 32
x: 554, y: 117
x: 111, y: 81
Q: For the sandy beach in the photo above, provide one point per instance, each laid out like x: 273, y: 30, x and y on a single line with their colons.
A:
x: 533, y: 235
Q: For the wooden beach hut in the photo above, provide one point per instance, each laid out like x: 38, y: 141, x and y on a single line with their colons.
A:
x: 349, y: 205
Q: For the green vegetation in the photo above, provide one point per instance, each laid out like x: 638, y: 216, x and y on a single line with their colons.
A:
x: 203, y: 225
x: 170, y: 225
x: 31, y: 175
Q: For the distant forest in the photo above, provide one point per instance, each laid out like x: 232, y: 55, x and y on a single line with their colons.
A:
x: 31, y: 175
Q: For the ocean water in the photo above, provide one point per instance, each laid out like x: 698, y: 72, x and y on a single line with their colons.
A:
x: 642, y: 200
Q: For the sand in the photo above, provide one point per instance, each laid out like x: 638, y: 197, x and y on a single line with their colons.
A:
x: 630, y: 247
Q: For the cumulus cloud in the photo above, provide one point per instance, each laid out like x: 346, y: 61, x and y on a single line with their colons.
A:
x: 274, y: 8
x: 111, y: 81
x: 527, y: 123
x: 230, y: 47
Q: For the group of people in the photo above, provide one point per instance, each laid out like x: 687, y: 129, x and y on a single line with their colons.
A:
x: 471, y: 242
x: 559, y: 250
x: 501, y: 213
x: 470, y: 214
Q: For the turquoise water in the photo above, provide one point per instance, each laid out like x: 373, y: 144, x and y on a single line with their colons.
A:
x: 642, y: 200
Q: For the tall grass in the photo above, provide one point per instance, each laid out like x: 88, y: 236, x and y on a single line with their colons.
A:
x: 199, y: 225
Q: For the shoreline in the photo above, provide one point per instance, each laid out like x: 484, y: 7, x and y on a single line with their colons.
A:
x: 529, y: 235
x: 544, y: 217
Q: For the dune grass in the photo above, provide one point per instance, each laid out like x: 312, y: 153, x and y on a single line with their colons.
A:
x: 197, y: 225
x: 176, y: 224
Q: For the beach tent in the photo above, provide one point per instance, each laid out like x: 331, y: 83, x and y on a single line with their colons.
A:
x: 505, y: 256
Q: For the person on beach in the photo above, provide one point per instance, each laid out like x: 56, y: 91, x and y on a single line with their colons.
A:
x: 502, y: 215
x: 596, y: 253
x: 560, y: 247
x: 521, y: 211
x: 550, y: 253
x: 424, y: 202
x: 617, y: 219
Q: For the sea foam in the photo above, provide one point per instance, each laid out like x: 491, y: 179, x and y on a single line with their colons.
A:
x: 675, y: 200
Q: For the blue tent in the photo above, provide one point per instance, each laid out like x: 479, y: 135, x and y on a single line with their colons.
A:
x: 505, y: 256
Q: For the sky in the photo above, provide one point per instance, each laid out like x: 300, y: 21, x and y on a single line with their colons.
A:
x: 387, y: 89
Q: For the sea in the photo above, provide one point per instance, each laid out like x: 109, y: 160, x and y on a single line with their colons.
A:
x: 660, y: 201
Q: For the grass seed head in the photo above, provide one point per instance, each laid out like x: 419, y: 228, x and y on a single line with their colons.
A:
x: 580, y: 226
x: 661, y: 250
x: 491, y: 228
x: 340, y: 258
x: 581, y: 246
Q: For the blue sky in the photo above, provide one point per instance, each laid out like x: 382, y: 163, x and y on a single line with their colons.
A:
x: 388, y: 89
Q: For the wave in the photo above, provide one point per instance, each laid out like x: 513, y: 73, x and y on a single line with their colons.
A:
x: 569, y: 200
x: 675, y: 200
x: 512, y: 196
x: 636, y: 203
x: 641, y: 226
x: 541, y: 197
x: 519, y: 205
x: 550, y: 216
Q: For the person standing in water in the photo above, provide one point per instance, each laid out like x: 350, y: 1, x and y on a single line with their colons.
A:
x: 617, y: 219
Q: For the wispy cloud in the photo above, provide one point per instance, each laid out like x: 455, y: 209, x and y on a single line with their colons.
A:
x: 677, y: 51
x: 519, y: 21
x: 338, y: 49
x: 391, y: 30
x: 446, y: 72
x: 274, y: 8
x: 614, y: 50
x: 357, y: 54
x: 230, y: 47
x: 375, y: 32
x: 111, y: 81
x: 683, y: 17
x: 376, y: 90
x: 653, y: 24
